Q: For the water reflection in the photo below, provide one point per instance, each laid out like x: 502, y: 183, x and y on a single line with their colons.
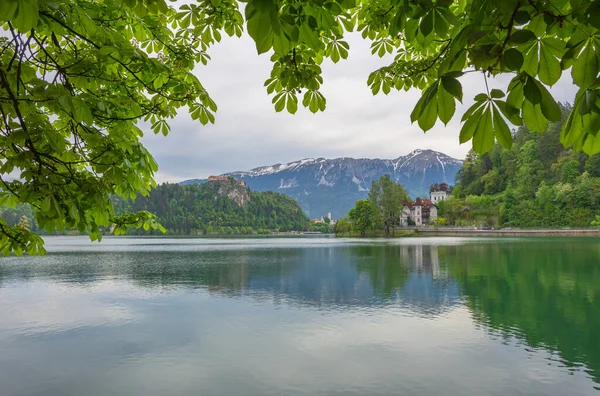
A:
x: 410, y: 305
x: 547, y: 294
x: 326, y: 277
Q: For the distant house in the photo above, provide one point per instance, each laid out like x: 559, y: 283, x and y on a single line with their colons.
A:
x: 441, y: 193
x: 421, y: 212
x: 317, y: 220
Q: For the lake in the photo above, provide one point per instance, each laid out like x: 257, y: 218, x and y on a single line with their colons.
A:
x: 302, y: 316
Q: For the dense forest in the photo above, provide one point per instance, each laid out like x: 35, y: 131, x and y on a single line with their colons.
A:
x: 206, y: 209
x: 202, y: 209
x: 535, y: 183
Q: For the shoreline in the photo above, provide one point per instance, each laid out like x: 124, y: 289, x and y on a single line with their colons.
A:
x: 456, y: 232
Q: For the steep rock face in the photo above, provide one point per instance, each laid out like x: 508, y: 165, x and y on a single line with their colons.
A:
x: 321, y: 185
x: 232, y: 190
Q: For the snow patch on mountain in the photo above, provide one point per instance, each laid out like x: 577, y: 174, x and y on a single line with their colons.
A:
x: 290, y: 183
x: 324, y: 182
x: 359, y: 183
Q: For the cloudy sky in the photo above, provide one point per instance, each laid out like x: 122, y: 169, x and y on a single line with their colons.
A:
x: 248, y: 132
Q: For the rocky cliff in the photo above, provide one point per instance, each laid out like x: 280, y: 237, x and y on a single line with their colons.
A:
x: 231, y: 189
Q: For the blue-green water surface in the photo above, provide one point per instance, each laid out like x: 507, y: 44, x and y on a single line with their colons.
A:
x: 302, y: 316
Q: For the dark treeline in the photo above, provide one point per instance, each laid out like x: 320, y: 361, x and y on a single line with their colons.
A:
x: 537, y: 183
x: 194, y: 209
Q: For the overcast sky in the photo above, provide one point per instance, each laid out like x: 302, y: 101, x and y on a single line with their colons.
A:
x: 248, y: 132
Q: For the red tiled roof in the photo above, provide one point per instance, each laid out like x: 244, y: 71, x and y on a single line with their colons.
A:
x: 426, y: 203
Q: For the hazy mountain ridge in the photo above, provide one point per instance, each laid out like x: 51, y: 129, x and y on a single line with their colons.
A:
x: 320, y: 184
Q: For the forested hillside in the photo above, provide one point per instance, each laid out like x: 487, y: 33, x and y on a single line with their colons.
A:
x: 207, y: 208
x: 537, y: 183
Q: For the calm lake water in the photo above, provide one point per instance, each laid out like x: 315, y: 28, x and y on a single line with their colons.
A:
x: 302, y: 316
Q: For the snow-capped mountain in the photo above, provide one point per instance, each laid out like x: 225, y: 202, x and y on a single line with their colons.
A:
x: 320, y: 184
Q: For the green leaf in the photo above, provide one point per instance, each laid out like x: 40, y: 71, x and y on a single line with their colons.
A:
x: 531, y: 61
x: 585, y: 68
x: 533, y: 117
x: 481, y: 97
x: 588, y: 102
x: 429, y: 115
x: 445, y: 105
x: 426, y: 25
x: 259, y: 27
x: 593, y: 14
x: 548, y: 105
x: 82, y: 112
x: 522, y: 36
x: 503, y: 135
x: 568, y: 58
x: 429, y: 94
x: 46, y: 203
x: 292, y: 104
x: 497, y: 94
x: 468, y: 128
x: 572, y: 130
x: 471, y: 111
x: 398, y: 22
x: 27, y: 15
x: 440, y: 24
x: 310, y: 36
x: 549, y: 69
x: 510, y: 112
x: 532, y: 91
x: 453, y: 87
x: 483, y: 138
x: 537, y: 25
x: 513, y: 59
x: 592, y: 145
x: 516, y: 91
x: 281, y: 45
x: 522, y: 17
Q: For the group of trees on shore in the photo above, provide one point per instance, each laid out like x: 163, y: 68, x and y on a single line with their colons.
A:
x: 536, y: 183
x: 381, y: 211
x: 201, y: 209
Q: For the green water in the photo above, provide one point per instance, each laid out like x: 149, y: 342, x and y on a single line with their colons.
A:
x: 302, y: 316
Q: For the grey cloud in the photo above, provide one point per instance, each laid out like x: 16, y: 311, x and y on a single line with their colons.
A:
x: 249, y: 133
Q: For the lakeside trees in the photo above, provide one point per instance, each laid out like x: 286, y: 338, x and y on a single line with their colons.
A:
x: 387, y: 197
x: 363, y: 217
x: 381, y: 210
x: 78, y: 77
x: 536, y: 183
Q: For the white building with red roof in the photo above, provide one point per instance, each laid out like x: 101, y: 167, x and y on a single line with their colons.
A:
x: 420, y: 212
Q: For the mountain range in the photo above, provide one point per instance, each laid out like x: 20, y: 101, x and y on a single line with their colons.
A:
x: 321, y: 185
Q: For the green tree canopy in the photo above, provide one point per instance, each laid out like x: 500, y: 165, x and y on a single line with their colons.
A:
x: 78, y: 77
x: 387, y: 198
x: 363, y: 217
